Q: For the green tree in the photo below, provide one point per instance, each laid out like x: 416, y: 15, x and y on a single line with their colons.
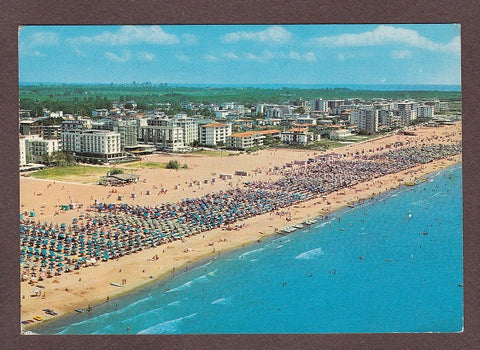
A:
x: 195, y: 143
x: 116, y: 171
x: 173, y: 164
x: 47, y: 159
x: 299, y: 110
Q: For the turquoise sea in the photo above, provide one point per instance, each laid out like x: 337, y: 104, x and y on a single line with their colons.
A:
x: 392, y: 264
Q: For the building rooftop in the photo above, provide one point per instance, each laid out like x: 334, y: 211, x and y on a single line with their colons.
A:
x: 125, y: 177
x: 213, y: 125
x: 298, y: 130
x: 252, y: 133
x: 271, y: 131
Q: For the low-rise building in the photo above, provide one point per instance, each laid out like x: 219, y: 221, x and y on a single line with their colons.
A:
x: 297, y: 136
x: 52, y: 132
x: 250, y: 139
x: 99, y: 113
x: 37, y: 148
x: 76, y: 124
x: 305, y: 121
x: 340, y: 134
x: 33, y: 148
x: 30, y: 127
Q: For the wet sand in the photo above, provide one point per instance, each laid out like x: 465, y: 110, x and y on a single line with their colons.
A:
x: 91, y: 286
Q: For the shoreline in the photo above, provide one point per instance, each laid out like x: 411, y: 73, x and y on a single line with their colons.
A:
x: 202, y: 259
x: 91, y: 286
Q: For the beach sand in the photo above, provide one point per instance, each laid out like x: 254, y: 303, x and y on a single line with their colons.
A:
x: 91, y: 286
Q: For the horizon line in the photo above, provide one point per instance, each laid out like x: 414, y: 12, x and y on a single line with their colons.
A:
x: 215, y: 83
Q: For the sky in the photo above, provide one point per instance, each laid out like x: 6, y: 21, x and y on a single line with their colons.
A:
x: 242, y: 54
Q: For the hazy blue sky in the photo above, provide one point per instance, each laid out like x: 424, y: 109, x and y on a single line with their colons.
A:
x: 242, y: 54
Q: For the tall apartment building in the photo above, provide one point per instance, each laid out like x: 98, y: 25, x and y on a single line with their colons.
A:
x: 368, y: 121
x: 319, y: 105
x: 388, y: 119
x: 333, y: 106
x: 188, y: 125
x: 212, y: 134
x: 275, y: 112
x: 165, y: 138
x: 425, y: 111
x: 407, y: 116
x: 441, y: 106
x: 126, y: 128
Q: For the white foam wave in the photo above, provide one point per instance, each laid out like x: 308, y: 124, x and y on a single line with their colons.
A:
x: 166, y: 327
x: 128, y: 307
x: 222, y: 301
x: 174, y: 303
x: 311, y: 254
x: 88, y: 320
x: 211, y: 273
x: 150, y: 313
x: 201, y: 279
x: 181, y: 287
x: 325, y: 223
x: 103, y: 330
x: 250, y: 252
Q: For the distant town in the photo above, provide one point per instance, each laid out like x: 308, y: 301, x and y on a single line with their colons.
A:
x: 125, y: 132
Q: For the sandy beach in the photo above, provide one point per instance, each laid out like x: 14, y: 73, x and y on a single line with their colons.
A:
x: 91, y: 285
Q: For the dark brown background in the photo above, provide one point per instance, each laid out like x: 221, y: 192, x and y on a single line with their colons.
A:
x: 24, y: 12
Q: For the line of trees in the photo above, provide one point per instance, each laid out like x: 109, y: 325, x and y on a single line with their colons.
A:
x: 58, y: 158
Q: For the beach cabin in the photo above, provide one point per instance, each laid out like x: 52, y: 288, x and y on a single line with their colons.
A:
x: 119, y: 179
x: 225, y: 176
x: 241, y: 173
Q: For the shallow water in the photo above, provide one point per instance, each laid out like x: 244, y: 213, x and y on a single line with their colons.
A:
x: 393, y: 264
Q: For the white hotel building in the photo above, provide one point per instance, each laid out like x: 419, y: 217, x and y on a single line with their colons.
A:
x: 34, y: 147
x: 212, y: 134
x: 101, y: 144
